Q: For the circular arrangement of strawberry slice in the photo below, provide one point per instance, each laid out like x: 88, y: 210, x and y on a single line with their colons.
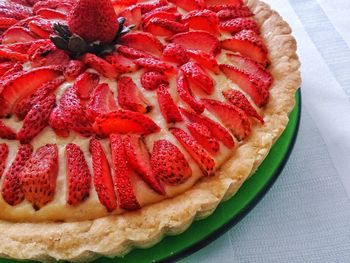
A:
x: 172, y: 86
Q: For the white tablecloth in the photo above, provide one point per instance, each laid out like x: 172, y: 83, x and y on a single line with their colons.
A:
x: 306, y: 215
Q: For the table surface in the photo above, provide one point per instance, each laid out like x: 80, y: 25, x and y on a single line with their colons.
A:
x: 305, y: 217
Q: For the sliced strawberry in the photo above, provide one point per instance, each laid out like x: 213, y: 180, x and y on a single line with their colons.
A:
x: 85, y: 84
x: 12, y: 191
x: 78, y: 175
x: 121, y: 63
x: 20, y: 47
x: 247, y: 83
x: 217, y: 130
x: 185, y: 94
x: 103, y: 181
x: 101, y: 102
x: 125, y: 192
x: 124, y: 121
x: 57, y: 123
x: 151, y: 80
x: 13, y: 55
x: 49, y: 13
x: 189, y: 5
x: 41, y: 27
x: 74, y: 69
x: 235, y: 119
x: 6, y: 22
x: 25, y: 105
x: 13, y: 90
x: 169, y: 164
x: 204, y: 137
x: 4, y: 152
x: 238, y: 99
x: 254, y: 69
x: 132, y: 14
x: 197, y: 40
x: 231, y: 13
x: 199, y: 155
x: 161, y: 14
x: 154, y: 64
x: 36, y: 119
x: 163, y: 27
x: 17, y: 34
x: 11, y: 74
x: 143, y: 41
x: 223, y: 2
x: 138, y: 159
x: 130, y: 98
x: 167, y: 105
x: 124, y: 2
x: 14, y: 10
x: 237, y: 24
x: 175, y: 53
x: 6, y: 132
x: 149, y: 6
x: 170, y: 8
x: 100, y: 65
x: 205, y: 20
x: 204, y: 59
x: 132, y: 53
x: 6, y: 66
x: 249, y: 44
x: 53, y: 4
x: 38, y: 177
x: 197, y: 76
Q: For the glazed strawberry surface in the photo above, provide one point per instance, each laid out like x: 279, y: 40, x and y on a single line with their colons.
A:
x: 167, y: 107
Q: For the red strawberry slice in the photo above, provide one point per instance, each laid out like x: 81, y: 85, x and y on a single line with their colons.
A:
x: 197, y: 40
x: 247, y: 83
x: 38, y: 177
x: 62, y: 5
x: 167, y: 105
x: 197, y: 76
x: 238, y: 24
x: 132, y: 14
x: 130, y: 98
x: 41, y: 27
x: 20, y: 47
x: 78, y: 175
x: 46, y: 54
x: 121, y: 63
x: 36, y: 119
x: 14, y: 10
x: 4, y: 152
x: 170, y: 8
x: 169, y: 163
x: 17, y: 34
x: 163, y: 27
x: 149, y: 6
x: 101, y: 102
x: 74, y: 69
x: 254, y: 69
x: 249, y: 44
x: 11, y: 190
x: 12, y: 55
x: 138, y: 159
x: 223, y: 2
x: 238, y: 99
x: 217, y: 130
x: 154, y: 64
x: 49, y: 13
x: 25, y: 105
x: 205, y: 20
x: 125, y: 192
x: 161, y: 14
x: 6, y: 66
x: 175, y: 53
x: 124, y: 121
x: 235, y: 119
x: 11, y: 74
x: 13, y: 91
x: 189, y: 5
x: 6, y: 22
x: 197, y: 152
x: 6, y: 132
x: 185, y: 94
x: 57, y: 123
x: 204, y: 137
x: 242, y: 11
x: 204, y: 59
x: 132, y: 53
x: 102, y: 178
x: 85, y: 84
x: 143, y: 41
x: 151, y: 80
x: 100, y: 65
x: 104, y: 19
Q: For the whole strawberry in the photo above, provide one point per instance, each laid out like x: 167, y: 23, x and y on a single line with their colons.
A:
x: 94, y: 20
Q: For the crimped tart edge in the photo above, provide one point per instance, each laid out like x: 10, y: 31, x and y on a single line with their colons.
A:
x: 117, y: 235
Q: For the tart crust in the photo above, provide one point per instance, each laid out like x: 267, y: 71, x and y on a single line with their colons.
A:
x: 116, y: 235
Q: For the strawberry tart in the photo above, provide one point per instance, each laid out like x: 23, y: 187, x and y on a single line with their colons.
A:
x: 122, y: 121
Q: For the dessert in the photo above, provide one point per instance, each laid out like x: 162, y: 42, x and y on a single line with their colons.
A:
x: 124, y: 120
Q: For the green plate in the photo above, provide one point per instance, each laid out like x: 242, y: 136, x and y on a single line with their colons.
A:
x: 227, y: 214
